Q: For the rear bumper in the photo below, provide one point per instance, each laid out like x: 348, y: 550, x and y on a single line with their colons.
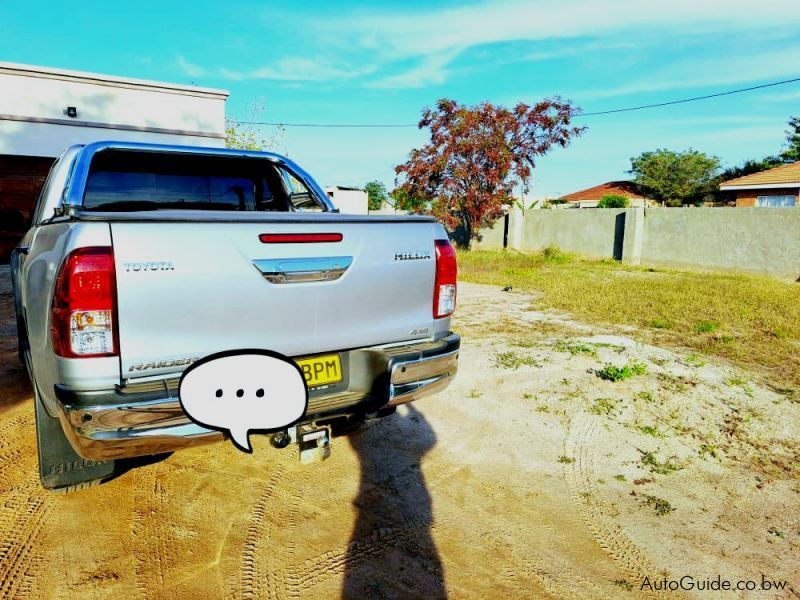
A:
x: 147, y: 419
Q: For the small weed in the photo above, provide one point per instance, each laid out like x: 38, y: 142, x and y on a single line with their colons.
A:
x: 708, y: 450
x: 615, y: 347
x: 620, y: 477
x: 528, y: 396
x: 645, y: 396
x: 705, y: 327
x: 625, y: 585
x: 779, y: 334
x: 650, y: 461
x: 741, y: 383
x: 776, y: 532
x: 649, y: 430
x: 661, y: 506
x: 543, y: 408
x: 661, y: 324
x: 695, y: 360
x: 512, y: 360
x: 566, y: 460
x: 613, y: 373
x: 724, y: 338
x: 605, y: 406
x: 554, y: 254
x: 643, y: 480
x: 475, y: 394
x: 575, y: 348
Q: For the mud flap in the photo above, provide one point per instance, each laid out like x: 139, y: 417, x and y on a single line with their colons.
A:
x: 60, y: 467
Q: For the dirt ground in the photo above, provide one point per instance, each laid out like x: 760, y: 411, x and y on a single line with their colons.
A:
x: 529, y: 477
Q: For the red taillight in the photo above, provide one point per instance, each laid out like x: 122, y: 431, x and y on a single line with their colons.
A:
x: 83, y: 321
x: 444, y: 291
x: 299, y: 238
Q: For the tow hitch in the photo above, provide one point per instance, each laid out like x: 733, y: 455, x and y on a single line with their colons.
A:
x: 313, y: 442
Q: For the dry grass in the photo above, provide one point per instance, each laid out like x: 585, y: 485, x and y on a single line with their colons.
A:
x: 752, y: 321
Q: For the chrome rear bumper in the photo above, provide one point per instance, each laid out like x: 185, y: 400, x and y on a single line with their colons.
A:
x: 153, y: 422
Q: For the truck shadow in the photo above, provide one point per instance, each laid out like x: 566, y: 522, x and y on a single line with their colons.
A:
x: 391, y: 553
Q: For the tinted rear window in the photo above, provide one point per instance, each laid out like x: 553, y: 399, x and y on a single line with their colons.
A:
x: 127, y: 180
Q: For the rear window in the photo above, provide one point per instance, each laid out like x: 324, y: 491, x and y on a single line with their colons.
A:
x: 128, y: 181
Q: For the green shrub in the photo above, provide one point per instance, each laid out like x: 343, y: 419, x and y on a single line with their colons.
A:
x: 705, y: 327
x: 614, y: 201
x: 612, y: 373
x: 661, y: 324
x: 554, y: 254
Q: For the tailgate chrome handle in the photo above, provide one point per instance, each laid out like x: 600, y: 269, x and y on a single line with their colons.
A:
x: 303, y: 270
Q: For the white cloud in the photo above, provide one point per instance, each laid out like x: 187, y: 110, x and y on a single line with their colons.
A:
x: 787, y: 97
x: 700, y: 73
x: 432, y: 70
x: 298, y: 69
x: 190, y: 69
x: 406, y: 33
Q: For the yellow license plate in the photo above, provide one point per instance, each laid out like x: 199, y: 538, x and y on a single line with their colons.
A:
x: 321, y: 370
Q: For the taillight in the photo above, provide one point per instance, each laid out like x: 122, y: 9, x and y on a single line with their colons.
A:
x: 444, y: 291
x: 84, y: 305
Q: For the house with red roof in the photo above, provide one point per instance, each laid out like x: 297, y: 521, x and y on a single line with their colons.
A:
x: 589, y: 197
x: 774, y: 188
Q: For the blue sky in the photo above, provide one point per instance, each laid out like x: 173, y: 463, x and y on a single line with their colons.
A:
x: 352, y: 61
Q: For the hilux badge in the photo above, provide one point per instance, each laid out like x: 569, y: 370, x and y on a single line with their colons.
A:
x: 415, y: 255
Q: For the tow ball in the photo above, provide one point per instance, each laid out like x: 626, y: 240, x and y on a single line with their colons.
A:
x: 313, y: 442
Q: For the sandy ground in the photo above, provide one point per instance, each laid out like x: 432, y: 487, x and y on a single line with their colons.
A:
x: 529, y: 477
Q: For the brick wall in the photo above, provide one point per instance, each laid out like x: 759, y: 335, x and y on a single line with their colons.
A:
x: 747, y: 198
x: 21, y: 178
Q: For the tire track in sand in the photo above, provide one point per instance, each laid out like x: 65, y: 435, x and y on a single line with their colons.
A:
x: 24, y: 508
x: 580, y: 477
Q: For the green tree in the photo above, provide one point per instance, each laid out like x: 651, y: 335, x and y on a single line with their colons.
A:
x: 249, y: 136
x: 792, y: 151
x: 749, y: 167
x: 614, y: 201
x: 676, y: 178
x: 376, y: 195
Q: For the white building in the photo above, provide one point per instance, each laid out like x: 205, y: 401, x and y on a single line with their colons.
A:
x: 44, y: 110
x: 349, y: 200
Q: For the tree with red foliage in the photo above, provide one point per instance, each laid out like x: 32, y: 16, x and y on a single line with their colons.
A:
x: 476, y: 156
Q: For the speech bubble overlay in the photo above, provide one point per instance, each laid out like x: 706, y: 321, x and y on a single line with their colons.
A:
x: 244, y: 391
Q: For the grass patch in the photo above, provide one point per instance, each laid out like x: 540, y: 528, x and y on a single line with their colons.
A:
x: 514, y: 360
x: 695, y: 360
x: 566, y: 460
x: 620, y: 477
x: 651, y: 462
x: 662, y: 324
x: 605, y: 407
x: 750, y: 309
x: 661, y: 506
x: 649, y: 430
x: 613, y: 373
x: 625, y: 585
x: 705, y: 327
x: 554, y: 255
x: 575, y: 348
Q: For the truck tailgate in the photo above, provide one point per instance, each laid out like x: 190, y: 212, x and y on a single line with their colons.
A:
x: 189, y: 289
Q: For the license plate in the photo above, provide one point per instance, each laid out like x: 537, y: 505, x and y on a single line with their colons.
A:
x: 321, y: 370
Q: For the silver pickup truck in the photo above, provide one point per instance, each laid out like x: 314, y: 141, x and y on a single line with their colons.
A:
x: 143, y: 259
